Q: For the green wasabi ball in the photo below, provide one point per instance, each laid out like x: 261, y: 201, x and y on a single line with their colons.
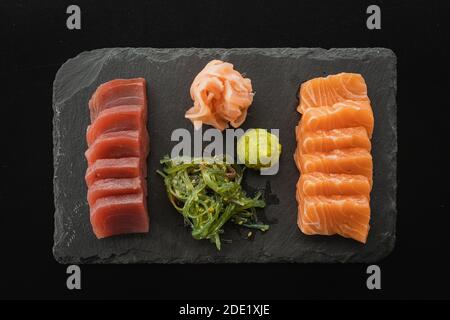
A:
x: 258, y: 148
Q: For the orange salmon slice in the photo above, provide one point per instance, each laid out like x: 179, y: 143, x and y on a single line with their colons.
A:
x: 349, y: 161
x: 347, y: 216
x: 339, y: 115
x: 328, y: 184
x: 326, y: 141
x: 326, y: 91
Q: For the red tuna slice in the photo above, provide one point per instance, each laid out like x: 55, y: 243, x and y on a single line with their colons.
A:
x: 112, y: 187
x: 118, y: 92
x: 120, y: 118
x: 119, y: 144
x: 121, y: 214
x: 115, y: 168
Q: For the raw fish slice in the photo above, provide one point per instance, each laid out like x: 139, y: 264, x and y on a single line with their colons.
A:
x: 325, y: 141
x: 340, y: 115
x: 118, y: 92
x: 112, y: 187
x: 328, y: 184
x: 347, y: 216
x: 120, y: 118
x: 119, y: 144
x: 115, y: 168
x: 122, y: 214
x: 349, y: 161
x: 118, y: 147
x: 326, y: 91
x: 333, y: 156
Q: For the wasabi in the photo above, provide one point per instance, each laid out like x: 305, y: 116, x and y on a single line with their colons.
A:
x: 258, y: 148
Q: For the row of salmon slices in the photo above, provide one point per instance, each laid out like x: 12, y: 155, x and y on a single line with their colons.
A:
x: 333, y: 156
x: 117, y: 141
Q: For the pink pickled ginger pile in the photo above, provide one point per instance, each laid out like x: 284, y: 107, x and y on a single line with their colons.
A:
x: 221, y: 95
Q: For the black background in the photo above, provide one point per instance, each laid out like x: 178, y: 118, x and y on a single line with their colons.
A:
x: 35, y: 42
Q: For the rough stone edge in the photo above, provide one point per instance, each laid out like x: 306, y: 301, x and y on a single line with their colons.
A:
x: 390, y: 243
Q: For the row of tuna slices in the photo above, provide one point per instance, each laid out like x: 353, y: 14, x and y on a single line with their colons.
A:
x: 333, y: 156
x: 117, y: 141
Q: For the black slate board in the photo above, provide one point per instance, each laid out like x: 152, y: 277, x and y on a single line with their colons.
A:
x: 276, y: 75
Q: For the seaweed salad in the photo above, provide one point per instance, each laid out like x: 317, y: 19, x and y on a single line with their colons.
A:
x: 208, y: 193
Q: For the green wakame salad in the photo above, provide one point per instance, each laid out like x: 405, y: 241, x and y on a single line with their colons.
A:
x: 209, y: 194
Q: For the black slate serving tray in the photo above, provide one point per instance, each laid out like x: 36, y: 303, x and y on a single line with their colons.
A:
x: 276, y: 74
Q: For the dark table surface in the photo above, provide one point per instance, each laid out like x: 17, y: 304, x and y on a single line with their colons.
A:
x: 35, y: 42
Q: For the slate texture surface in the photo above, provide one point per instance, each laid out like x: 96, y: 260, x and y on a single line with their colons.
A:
x: 276, y: 75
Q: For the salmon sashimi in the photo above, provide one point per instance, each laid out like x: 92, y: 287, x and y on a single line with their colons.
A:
x: 111, y: 187
x: 347, y: 216
x: 120, y: 214
x: 221, y: 95
x: 349, y: 161
x: 325, y: 141
x: 115, y: 168
x: 116, y: 93
x: 327, y: 91
x: 120, y: 118
x: 333, y: 156
x: 340, y: 115
x: 329, y: 184
x: 118, y: 145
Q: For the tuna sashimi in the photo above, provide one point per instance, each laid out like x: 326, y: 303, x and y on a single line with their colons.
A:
x: 118, y: 146
x: 115, y: 168
x: 327, y: 91
x: 347, y: 216
x: 340, y: 115
x: 120, y: 118
x: 120, y: 214
x: 111, y: 187
x: 117, y: 93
